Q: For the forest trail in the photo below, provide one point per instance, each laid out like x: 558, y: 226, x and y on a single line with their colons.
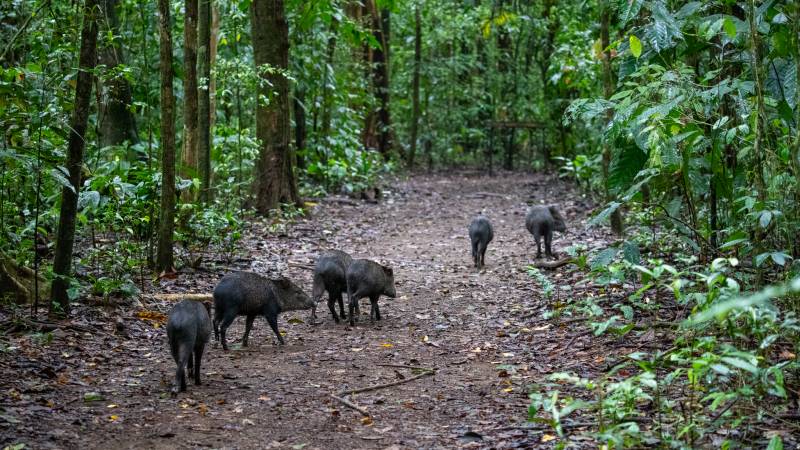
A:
x: 483, y: 334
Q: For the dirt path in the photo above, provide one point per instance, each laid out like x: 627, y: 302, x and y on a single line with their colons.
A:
x: 483, y: 333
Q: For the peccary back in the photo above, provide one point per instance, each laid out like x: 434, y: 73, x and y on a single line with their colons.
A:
x: 330, y: 275
x: 367, y: 278
x: 480, y: 235
x: 249, y: 294
x: 188, y: 331
x: 543, y: 221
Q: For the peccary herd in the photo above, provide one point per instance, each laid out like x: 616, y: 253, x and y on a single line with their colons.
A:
x: 335, y: 272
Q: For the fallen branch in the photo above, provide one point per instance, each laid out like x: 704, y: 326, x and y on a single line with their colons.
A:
x: 349, y: 404
x: 403, y: 366
x: 179, y: 297
x: 484, y: 195
x: 300, y: 265
x: 386, y: 385
x: 554, y: 264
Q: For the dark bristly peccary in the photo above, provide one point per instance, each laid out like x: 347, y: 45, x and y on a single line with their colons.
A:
x: 188, y: 330
x: 542, y: 221
x: 249, y: 294
x: 480, y: 235
x: 330, y: 275
x: 367, y: 278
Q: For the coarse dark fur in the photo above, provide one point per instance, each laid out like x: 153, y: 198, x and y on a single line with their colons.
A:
x: 480, y: 235
x: 367, y: 278
x: 250, y: 295
x: 188, y: 331
x: 330, y: 275
x: 542, y: 221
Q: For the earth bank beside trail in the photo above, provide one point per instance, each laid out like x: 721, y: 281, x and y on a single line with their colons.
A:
x: 483, y: 333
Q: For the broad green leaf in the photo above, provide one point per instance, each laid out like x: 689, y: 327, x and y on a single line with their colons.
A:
x: 765, y: 218
x: 58, y: 174
x: 630, y: 252
x: 604, y: 258
x: 636, y: 46
x: 729, y: 27
x: 776, y: 443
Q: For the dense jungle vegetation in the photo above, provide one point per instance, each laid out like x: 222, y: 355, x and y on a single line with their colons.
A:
x: 142, y: 139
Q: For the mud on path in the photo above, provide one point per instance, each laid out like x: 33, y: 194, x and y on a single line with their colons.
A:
x: 483, y: 334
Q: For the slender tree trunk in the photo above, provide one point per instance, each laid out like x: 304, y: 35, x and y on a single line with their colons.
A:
x: 190, y: 157
x: 378, y: 124
x: 212, y: 83
x: 329, y: 78
x: 299, y: 124
x: 415, y: 107
x: 65, y: 238
x: 117, y: 123
x: 274, y: 179
x: 204, y: 98
x: 608, y: 88
x: 758, y: 81
x: 164, y: 258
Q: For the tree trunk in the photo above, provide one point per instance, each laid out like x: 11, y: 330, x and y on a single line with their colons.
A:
x: 758, y: 81
x: 164, y: 258
x: 608, y: 87
x: 415, y: 107
x: 212, y: 83
x: 299, y: 124
x: 190, y: 157
x: 204, y: 98
x: 65, y: 238
x: 378, y: 123
x: 327, y: 100
x: 274, y: 179
x: 117, y: 123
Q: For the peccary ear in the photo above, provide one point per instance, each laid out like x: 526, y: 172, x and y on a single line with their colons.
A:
x: 388, y: 271
x: 282, y: 282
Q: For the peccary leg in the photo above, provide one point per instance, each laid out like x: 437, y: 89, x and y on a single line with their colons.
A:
x: 181, y: 354
x: 332, y: 307
x: 374, y: 302
x: 475, y: 254
x: 223, y: 327
x: 479, y: 255
x: 248, y: 325
x: 483, y: 255
x: 190, y: 365
x: 216, y: 325
x: 352, y: 303
x: 538, y: 239
x: 548, y: 239
x: 273, y: 323
x: 341, y: 304
x: 198, y: 355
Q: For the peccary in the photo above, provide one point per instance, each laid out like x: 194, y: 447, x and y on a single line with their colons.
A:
x: 188, y: 330
x: 542, y: 221
x: 480, y: 235
x: 367, y: 278
x: 329, y: 275
x: 249, y: 294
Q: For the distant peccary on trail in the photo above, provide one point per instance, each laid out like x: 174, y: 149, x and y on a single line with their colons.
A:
x: 188, y: 330
x: 542, y: 221
x: 367, y: 278
x: 480, y: 235
x: 330, y: 275
x: 249, y: 294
